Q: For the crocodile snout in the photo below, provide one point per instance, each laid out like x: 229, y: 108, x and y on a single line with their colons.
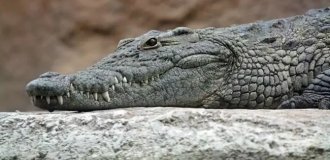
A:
x: 50, y: 87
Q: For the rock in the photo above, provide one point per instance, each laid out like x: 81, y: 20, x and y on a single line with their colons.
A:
x: 66, y: 36
x: 166, y: 133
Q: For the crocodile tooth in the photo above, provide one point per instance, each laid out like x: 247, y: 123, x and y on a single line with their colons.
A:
x: 146, y: 81
x: 152, y: 78
x: 95, y: 96
x: 32, y: 100
x: 71, y: 87
x: 81, y: 92
x: 87, y: 93
x: 113, y: 87
x: 116, y: 80
x: 106, y: 96
x: 125, y: 80
x: 60, y: 100
x: 68, y: 94
x: 41, y: 97
x: 48, y: 99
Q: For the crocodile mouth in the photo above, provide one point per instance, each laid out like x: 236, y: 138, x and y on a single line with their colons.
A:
x: 53, y: 91
x: 36, y: 99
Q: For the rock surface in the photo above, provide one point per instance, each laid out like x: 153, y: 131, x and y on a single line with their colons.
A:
x: 166, y: 133
x: 66, y: 36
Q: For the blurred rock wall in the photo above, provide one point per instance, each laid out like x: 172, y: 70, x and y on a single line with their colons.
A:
x: 65, y: 36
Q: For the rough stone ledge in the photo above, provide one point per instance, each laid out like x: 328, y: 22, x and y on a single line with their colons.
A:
x: 166, y: 133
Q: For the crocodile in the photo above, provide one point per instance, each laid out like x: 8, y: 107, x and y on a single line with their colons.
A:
x: 280, y: 63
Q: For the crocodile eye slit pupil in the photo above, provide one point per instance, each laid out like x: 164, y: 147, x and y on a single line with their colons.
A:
x: 151, y: 42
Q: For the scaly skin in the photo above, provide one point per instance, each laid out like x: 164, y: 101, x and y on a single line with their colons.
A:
x: 258, y: 65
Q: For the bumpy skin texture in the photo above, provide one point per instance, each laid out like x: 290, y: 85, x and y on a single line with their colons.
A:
x: 279, y: 63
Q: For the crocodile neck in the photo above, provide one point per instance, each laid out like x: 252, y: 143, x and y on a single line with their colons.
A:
x: 278, y: 59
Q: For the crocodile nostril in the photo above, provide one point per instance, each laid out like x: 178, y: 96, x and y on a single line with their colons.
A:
x: 49, y: 75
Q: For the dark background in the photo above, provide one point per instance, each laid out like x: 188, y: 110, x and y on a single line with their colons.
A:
x: 68, y: 35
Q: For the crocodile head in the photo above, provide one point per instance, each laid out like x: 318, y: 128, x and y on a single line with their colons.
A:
x: 180, y: 67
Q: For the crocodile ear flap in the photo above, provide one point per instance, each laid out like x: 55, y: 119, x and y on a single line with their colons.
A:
x: 125, y: 41
x: 182, y: 31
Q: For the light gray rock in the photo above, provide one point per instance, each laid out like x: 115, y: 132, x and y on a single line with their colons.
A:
x: 166, y: 133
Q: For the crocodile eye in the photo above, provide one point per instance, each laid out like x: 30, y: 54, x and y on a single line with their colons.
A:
x: 151, y: 42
